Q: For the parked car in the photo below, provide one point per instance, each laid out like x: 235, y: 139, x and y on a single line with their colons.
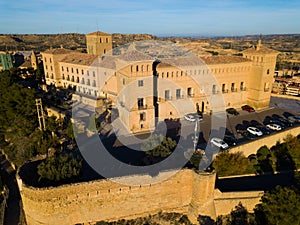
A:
x: 294, y: 119
x: 286, y: 122
x: 274, y: 126
x: 254, y: 131
x: 232, y: 111
x: 193, y: 116
x: 230, y: 140
x: 219, y: 143
x: 265, y: 130
x: 248, y: 108
x: 247, y: 135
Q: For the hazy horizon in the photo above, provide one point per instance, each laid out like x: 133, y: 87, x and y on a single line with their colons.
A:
x: 158, y: 17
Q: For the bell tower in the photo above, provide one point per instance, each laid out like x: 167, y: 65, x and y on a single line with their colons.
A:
x: 261, y: 77
x: 98, y: 43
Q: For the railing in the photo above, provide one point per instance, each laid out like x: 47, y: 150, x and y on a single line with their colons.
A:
x: 233, y: 89
x: 214, y: 92
x: 179, y: 96
x: 243, y: 89
x: 142, y: 107
x: 191, y: 95
x: 168, y: 98
x: 225, y: 91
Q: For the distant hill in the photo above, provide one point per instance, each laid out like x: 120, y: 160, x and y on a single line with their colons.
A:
x: 287, y: 44
x: 73, y: 41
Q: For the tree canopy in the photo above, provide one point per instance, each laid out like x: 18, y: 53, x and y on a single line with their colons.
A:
x: 279, y: 206
x: 227, y: 164
x: 62, y: 167
x: 159, y: 146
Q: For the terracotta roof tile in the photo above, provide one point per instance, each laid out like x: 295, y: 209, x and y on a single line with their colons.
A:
x: 80, y: 59
x: 224, y: 59
x: 99, y: 33
x: 260, y: 50
x: 59, y: 51
x: 134, y: 55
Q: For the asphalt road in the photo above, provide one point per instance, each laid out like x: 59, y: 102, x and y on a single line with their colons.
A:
x: 12, y: 212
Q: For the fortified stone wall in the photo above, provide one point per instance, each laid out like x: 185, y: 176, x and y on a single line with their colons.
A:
x: 108, y: 200
x: 226, y: 202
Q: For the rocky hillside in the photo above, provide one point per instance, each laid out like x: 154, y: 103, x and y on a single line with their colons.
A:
x: 41, y: 42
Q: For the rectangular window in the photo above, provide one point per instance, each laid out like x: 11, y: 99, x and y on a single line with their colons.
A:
x: 232, y: 87
x: 140, y: 102
x: 214, y: 89
x: 242, y: 86
x: 167, y: 95
x: 178, y: 93
x: 190, y: 92
x: 94, y: 74
x: 142, y: 116
x: 140, y: 83
x: 224, y: 88
x: 62, y: 68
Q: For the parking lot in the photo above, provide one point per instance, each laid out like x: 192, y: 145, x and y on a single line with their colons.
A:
x: 235, y: 128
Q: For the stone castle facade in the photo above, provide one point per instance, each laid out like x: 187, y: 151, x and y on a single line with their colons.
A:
x: 97, y: 78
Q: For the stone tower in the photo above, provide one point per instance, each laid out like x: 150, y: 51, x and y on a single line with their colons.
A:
x: 98, y: 43
x: 33, y: 60
x: 260, y: 82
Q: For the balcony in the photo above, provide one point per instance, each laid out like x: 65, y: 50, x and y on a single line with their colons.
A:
x: 191, y: 95
x: 140, y: 107
x: 225, y: 91
x: 179, y: 96
x: 168, y: 98
x: 233, y: 89
x: 243, y: 89
x: 215, y: 92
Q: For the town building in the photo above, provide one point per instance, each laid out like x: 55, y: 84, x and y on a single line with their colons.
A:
x: 143, y: 87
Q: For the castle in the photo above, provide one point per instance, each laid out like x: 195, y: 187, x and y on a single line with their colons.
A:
x: 157, y: 85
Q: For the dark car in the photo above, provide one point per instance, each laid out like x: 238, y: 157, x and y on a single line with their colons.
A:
x: 232, y: 111
x: 264, y: 130
x: 249, y: 136
x: 230, y: 140
x: 248, y: 108
x: 284, y: 121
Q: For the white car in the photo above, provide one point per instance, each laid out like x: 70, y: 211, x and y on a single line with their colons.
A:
x: 255, y: 131
x: 192, y: 117
x: 219, y: 143
x: 273, y: 126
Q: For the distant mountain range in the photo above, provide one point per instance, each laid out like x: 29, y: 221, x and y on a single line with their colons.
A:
x: 75, y: 41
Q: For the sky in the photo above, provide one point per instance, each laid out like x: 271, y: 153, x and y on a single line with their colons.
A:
x: 157, y: 17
